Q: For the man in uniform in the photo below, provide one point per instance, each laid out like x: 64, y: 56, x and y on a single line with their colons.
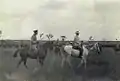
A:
x: 34, y: 41
x: 76, y: 43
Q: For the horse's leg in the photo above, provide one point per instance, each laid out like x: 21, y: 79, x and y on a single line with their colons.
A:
x: 85, y: 62
x: 38, y: 62
x: 68, y: 60
x: 63, y: 58
x: 41, y: 62
x: 19, y: 63
x: 16, y: 53
x: 25, y: 61
x: 63, y: 61
x: 82, y: 60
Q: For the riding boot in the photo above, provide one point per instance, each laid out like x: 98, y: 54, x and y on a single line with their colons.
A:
x: 81, y: 52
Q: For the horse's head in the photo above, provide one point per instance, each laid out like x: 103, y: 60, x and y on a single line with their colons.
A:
x: 97, y: 47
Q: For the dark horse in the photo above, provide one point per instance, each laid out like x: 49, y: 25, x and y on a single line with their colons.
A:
x: 40, y: 56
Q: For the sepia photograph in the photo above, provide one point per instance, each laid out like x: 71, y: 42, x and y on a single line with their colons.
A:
x: 59, y: 40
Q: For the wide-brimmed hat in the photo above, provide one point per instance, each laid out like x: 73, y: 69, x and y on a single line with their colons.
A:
x: 77, y: 32
x: 35, y: 31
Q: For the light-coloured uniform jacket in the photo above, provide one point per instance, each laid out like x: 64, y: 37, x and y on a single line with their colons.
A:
x: 77, y: 41
x: 34, y: 42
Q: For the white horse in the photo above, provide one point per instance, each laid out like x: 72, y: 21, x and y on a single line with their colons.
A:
x: 68, y: 51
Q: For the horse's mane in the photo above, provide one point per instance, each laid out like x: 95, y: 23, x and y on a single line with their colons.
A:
x: 88, y: 46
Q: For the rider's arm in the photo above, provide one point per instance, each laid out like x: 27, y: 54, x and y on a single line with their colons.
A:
x: 74, y: 41
x: 33, y: 40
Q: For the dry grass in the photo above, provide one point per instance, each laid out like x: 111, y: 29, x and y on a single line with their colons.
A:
x: 52, y: 70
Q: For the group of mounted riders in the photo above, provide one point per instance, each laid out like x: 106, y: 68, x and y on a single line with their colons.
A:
x: 76, y: 43
x: 64, y: 49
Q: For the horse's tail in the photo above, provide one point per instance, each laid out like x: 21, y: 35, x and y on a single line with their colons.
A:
x: 16, y: 53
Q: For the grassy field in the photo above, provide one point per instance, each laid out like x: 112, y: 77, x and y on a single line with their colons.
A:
x: 107, y: 68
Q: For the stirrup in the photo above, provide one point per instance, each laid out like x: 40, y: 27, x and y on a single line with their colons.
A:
x: 80, y: 56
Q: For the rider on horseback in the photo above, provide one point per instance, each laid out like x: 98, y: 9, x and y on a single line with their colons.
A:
x: 77, y: 45
x: 34, y: 41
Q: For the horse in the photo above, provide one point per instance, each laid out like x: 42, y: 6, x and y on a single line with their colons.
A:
x: 57, y: 46
x: 68, y: 51
x: 40, y: 55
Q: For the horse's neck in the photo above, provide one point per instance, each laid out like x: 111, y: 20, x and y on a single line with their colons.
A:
x: 87, y: 47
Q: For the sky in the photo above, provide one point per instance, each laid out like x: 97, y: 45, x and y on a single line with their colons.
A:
x: 99, y: 18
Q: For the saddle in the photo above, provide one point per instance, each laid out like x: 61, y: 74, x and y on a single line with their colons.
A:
x: 33, y: 52
x: 80, y: 49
